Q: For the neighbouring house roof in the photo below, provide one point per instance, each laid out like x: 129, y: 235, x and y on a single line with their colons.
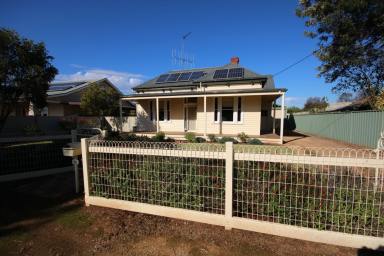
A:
x: 337, y: 106
x: 206, y: 76
x: 70, y: 91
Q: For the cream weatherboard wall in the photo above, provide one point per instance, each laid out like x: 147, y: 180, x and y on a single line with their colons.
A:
x: 250, y: 123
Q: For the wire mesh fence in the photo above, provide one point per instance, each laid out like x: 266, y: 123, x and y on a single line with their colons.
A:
x: 20, y: 157
x: 183, y: 182
x: 337, y: 190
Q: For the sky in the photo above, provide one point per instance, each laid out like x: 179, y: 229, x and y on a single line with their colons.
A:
x: 131, y: 41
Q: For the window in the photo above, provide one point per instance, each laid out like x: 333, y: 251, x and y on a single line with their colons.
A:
x: 264, y: 112
x: 164, y: 111
x: 168, y: 111
x: 151, y: 110
x: 227, y: 109
x: 239, y: 109
x: 216, y: 109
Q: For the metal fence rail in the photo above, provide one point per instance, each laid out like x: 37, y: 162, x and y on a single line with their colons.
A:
x: 326, y: 195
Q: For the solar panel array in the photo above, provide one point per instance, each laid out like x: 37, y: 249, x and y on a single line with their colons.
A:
x: 182, y: 77
x: 64, y: 86
x: 229, y: 73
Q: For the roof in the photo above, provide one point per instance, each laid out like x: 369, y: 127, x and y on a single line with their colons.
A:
x: 207, y: 78
x: 338, y: 106
x: 62, y: 88
x: 202, y: 93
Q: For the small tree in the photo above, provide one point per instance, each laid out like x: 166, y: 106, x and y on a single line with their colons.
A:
x: 25, y: 73
x: 293, y: 109
x: 315, y: 104
x: 100, y: 101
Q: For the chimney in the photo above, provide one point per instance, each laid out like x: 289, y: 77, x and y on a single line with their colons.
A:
x: 235, y: 60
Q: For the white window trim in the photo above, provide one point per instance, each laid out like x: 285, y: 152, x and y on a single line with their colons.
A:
x: 165, y: 112
x: 235, y: 111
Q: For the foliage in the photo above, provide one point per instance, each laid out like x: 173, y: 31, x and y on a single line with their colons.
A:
x: 25, y: 73
x: 315, y: 104
x: 293, y: 109
x: 32, y: 129
x: 255, y: 142
x: 190, y: 137
x: 351, y: 43
x: 100, y: 101
x: 243, y: 137
x: 200, y: 140
x: 379, y: 103
x: 224, y: 139
x: 68, y: 123
x: 345, y: 97
x: 159, y: 137
x: 212, y: 138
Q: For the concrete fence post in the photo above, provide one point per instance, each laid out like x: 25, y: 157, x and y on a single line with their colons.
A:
x: 85, y: 155
x: 228, y: 183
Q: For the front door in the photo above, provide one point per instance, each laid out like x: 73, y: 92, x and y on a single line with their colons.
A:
x: 190, y: 118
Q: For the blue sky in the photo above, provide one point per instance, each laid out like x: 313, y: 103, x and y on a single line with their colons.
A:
x: 131, y: 41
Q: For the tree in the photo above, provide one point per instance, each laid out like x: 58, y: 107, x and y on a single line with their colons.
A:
x: 345, y: 97
x: 351, y: 43
x: 315, y: 104
x: 25, y: 73
x: 100, y: 101
x: 293, y: 109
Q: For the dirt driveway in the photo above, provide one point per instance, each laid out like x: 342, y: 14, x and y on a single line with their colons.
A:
x: 44, y: 217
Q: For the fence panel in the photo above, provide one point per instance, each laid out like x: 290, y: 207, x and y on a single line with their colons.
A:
x: 325, y: 195
x: 361, y: 128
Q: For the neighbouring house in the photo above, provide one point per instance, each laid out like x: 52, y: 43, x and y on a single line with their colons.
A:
x: 63, y: 99
x: 224, y: 101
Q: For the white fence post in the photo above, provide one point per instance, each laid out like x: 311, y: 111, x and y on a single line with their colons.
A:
x: 84, y: 155
x: 228, y: 183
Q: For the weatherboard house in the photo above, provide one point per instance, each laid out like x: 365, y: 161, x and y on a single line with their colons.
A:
x: 223, y: 101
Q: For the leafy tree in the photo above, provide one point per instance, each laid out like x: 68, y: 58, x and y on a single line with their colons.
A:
x: 25, y: 73
x: 293, y: 109
x: 351, y: 43
x: 315, y: 104
x: 100, y: 101
x: 345, y: 97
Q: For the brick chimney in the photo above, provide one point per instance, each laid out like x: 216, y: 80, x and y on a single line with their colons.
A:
x: 235, y: 60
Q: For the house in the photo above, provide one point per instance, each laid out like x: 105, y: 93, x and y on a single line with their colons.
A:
x: 224, y: 101
x: 63, y: 98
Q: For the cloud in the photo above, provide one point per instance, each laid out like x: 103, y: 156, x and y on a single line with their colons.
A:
x: 123, y: 80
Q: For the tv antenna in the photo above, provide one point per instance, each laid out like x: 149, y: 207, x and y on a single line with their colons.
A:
x: 180, y: 57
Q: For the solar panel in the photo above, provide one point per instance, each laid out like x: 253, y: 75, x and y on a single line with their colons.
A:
x: 173, y: 77
x: 196, y: 75
x: 236, y: 72
x: 162, y: 78
x: 221, y: 73
x: 59, y: 87
x: 185, y: 76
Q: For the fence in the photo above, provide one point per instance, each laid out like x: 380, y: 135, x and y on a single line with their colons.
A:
x: 27, y: 157
x: 361, y: 128
x: 332, y: 196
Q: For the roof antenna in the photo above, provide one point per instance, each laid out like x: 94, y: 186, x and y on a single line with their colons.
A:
x: 180, y: 57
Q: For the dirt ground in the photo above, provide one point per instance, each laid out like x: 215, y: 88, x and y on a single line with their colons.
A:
x: 43, y: 216
x: 296, y: 139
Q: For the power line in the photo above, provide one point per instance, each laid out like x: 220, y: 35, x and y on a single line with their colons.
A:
x: 294, y: 64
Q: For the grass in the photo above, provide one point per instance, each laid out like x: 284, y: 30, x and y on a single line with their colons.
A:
x: 75, y: 219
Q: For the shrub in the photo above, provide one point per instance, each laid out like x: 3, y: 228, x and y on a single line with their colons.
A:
x: 255, y: 142
x: 226, y: 139
x: 32, y: 129
x: 200, y: 140
x: 212, y: 137
x: 159, y: 137
x: 190, y: 137
x: 243, y: 137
